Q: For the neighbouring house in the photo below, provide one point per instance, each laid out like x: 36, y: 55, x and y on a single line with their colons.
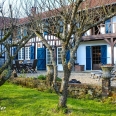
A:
x: 97, y: 47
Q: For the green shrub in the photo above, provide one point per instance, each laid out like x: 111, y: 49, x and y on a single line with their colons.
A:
x: 58, y: 79
x: 41, y: 77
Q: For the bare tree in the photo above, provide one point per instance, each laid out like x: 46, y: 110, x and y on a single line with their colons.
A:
x: 75, y: 17
x: 9, y: 28
x: 34, y: 11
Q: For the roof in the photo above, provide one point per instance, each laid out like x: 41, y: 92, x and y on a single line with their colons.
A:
x: 5, y: 22
x: 97, y: 3
x: 25, y: 20
x: 46, y: 14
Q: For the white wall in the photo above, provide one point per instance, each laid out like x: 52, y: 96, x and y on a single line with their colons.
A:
x: 115, y: 54
x: 114, y: 24
x: 102, y: 28
x: 81, y: 51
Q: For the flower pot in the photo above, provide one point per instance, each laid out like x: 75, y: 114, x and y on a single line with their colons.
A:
x: 106, y: 71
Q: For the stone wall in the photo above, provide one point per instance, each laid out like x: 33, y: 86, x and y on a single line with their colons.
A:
x: 84, y: 90
x: 74, y: 90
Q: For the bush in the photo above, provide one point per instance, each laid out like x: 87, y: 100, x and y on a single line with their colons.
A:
x: 58, y: 79
x: 41, y: 77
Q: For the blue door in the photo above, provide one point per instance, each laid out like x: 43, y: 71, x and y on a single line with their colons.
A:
x: 104, y: 54
x: 41, y: 56
x: 88, y: 58
x: 67, y: 56
x: 32, y: 52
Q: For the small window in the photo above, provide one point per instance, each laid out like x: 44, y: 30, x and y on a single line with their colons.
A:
x: 27, y: 53
x: 21, y: 54
x: 59, y: 56
x: 49, y: 57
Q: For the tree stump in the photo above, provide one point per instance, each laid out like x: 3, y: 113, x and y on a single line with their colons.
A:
x: 50, y: 74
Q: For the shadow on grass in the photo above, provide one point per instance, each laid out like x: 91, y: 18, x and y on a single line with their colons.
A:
x: 28, y: 97
x: 88, y: 111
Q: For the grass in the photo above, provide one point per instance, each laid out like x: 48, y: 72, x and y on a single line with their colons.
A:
x: 19, y: 101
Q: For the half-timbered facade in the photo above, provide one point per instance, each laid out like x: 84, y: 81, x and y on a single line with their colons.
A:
x: 98, y: 46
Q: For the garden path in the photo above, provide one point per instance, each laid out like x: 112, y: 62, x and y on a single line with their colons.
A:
x: 83, y: 77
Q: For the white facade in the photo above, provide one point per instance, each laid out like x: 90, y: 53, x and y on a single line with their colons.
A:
x: 81, y: 51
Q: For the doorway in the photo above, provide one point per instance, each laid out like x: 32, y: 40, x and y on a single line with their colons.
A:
x: 96, y: 57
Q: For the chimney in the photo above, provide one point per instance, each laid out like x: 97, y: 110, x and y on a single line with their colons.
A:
x: 33, y: 11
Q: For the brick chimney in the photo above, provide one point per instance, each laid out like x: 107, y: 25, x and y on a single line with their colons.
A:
x: 33, y: 11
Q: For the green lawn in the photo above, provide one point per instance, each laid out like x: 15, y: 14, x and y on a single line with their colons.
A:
x: 19, y: 101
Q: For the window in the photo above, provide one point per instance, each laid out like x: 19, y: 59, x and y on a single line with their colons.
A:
x: 21, y: 54
x: 59, y: 56
x: 24, y: 32
x: 27, y: 53
x: 108, y: 26
x: 2, y: 48
x: 19, y: 33
x: 1, y: 34
x: 49, y: 57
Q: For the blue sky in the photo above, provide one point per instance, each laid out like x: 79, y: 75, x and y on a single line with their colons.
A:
x: 16, y: 7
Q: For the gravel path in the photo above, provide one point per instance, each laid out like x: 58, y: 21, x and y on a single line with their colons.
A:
x: 83, y: 77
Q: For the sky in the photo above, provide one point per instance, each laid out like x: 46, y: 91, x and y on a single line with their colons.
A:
x: 20, y: 7
x: 16, y: 7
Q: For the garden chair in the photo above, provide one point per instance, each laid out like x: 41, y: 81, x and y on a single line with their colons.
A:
x: 13, y: 66
x: 20, y: 67
x: 32, y: 68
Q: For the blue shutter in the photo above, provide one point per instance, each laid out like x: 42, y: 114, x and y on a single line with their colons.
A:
x: 108, y: 27
x: 67, y: 56
x: 88, y: 58
x: 14, y: 50
x: 45, y: 33
x: 32, y: 52
x: 104, y: 54
x: 41, y: 56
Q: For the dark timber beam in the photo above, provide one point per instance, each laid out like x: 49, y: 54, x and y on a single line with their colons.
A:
x: 98, y: 37
x: 111, y: 42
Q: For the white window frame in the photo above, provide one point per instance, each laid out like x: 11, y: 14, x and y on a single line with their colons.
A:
x: 59, y: 61
x: 27, y: 53
x: 21, y: 54
x: 48, y: 57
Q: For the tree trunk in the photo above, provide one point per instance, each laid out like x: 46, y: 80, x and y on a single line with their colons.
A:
x: 64, y: 87
x: 6, y: 75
